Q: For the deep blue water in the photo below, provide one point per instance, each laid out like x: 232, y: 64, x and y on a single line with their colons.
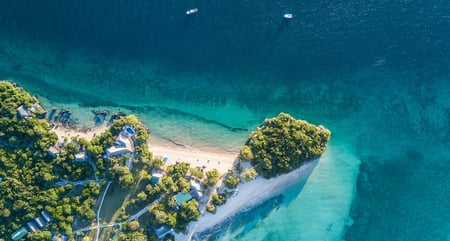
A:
x: 375, y: 72
x: 245, y: 34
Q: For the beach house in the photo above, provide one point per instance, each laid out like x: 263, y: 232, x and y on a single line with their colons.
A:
x: 197, y: 189
x: 24, y: 112
x: 54, y: 151
x: 81, y: 157
x: 157, y: 175
x: 124, y: 143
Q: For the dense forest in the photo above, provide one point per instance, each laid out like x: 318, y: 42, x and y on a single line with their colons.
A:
x: 283, y: 144
x: 31, y: 179
x: 28, y: 173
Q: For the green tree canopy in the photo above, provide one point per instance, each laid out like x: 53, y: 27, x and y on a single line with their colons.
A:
x: 231, y: 180
x: 248, y: 174
x: 212, y: 177
x: 189, y: 210
x: 196, y: 172
x: 29, y: 173
x: 283, y: 144
x: 133, y: 225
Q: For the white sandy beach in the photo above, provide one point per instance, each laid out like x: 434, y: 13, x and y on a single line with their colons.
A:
x: 222, y: 161
x: 249, y: 195
x: 210, y: 159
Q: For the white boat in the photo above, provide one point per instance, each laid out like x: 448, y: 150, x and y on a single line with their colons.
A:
x: 288, y: 15
x: 191, y: 11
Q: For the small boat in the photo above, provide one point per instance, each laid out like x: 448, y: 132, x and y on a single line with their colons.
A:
x: 191, y: 11
x: 288, y: 15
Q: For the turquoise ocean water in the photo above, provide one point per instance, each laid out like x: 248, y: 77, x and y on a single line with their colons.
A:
x: 375, y: 73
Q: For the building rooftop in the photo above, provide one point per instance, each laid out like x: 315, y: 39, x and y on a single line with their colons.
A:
x: 23, y: 112
x: 80, y: 156
x: 19, y: 233
x: 40, y: 222
x: 156, y: 175
x: 196, y: 184
x: 124, y: 144
x: 182, y: 197
x: 197, y: 189
x: 32, y: 226
x: 36, y: 224
x: 46, y: 216
x: 54, y: 151
x: 162, y: 231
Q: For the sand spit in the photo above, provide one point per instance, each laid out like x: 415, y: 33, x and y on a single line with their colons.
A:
x: 250, y: 195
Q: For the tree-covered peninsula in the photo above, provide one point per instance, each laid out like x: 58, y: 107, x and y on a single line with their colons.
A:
x: 110, y: 186
x: 283, y: 144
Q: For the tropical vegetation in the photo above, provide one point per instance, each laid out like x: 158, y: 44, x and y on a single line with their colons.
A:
x: 283, y: 144
x: 32, y: 180
x: 28, y: 175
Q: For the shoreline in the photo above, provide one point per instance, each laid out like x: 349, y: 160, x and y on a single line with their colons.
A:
x: 203, y: 156
x: 207, y: 157
x: 250, y: 195
x: 86, y: 133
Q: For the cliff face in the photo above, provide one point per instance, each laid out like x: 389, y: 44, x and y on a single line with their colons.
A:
x: 251, y: 195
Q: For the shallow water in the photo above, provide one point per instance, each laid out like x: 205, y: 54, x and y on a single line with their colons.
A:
x: 375, y: 73
x: 318, y: 213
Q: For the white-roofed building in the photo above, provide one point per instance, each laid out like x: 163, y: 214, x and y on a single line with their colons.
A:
x: 54, y: 151
x: 157, y: 175
x: 24, y: 112
x: 124, y: 143
x: 197, y: 189
x: 80, y: 157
